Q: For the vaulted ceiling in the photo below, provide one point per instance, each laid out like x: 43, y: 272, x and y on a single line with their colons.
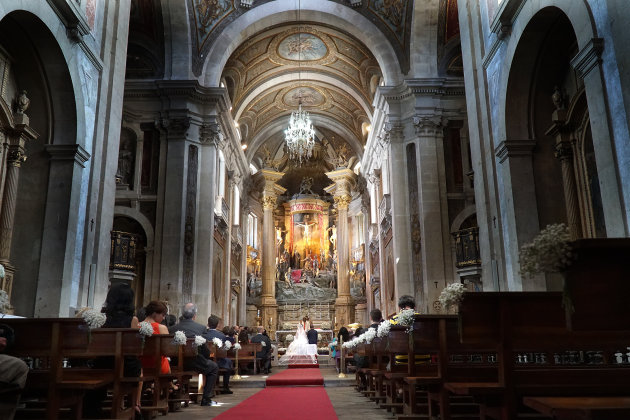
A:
x: 332, y: 73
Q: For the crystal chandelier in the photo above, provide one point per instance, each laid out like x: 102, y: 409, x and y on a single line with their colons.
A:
x: 300, y: 135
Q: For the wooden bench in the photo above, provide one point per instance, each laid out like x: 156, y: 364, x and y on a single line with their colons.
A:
x: 581, y: 408
x: 536, y: 354
x: 47, y: 342
x: 439, y: 336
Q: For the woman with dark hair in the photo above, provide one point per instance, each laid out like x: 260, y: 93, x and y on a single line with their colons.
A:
x: 343, y: 336
x: 119, y: 313
x: 156, y: 311
x: 243, y: 336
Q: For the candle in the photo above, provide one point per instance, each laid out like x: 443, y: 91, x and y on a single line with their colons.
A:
x: 258, y: 313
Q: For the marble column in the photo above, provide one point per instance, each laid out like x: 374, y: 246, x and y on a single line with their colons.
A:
x: 343, y: 180
x: 268, y: 298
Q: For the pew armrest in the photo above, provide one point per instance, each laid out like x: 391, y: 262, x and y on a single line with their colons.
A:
x: 580, y: 407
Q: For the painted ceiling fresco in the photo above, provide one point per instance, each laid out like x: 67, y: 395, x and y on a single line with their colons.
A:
x: 330, y: 73
x: 209, y: 17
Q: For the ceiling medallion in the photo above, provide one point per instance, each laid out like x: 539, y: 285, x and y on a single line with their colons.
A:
x: 300, y: 135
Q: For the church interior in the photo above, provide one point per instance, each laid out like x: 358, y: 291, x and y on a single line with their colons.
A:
x: 270, y: 160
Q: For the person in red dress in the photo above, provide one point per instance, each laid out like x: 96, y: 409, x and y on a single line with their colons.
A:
x: 156, y: 312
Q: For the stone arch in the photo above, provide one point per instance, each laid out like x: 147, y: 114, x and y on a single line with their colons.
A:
x: 281, y: 11
x: 44, y: 239
x: 143, y: 291
x: 461, y: 217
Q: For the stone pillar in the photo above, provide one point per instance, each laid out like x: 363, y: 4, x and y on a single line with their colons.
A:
x: 436, y: 254
x: 268, y: 298
x: 211, y: 140
x: 344, y: 305
x: 518, y: 200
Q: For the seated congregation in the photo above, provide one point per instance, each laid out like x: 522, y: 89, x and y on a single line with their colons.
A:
x: 109, y: 364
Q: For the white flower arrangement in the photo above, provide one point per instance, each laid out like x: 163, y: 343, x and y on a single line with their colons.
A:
x: 4, y: 301
x: 199, y: 341
x: 325, y: 325
x: 263, y: 344
x: 146, y: 330
x: 549, y: 251
x: 227, y: 345
x: 290, y: 337
x: 2, y: 273
x: 217, y: 342
x: 370, y: 334
x: 180, y: 338
x: 452, y: 295
x: 237, y: 346
x: 93, y: 318
x: 383, y: 328
x: 405, y: 317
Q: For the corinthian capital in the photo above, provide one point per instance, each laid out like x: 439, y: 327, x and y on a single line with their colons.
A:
x: 269, y: 202
x: 429, y: 125
x: 342, y: 201
x: 211, y: 135
x: 16, y: 157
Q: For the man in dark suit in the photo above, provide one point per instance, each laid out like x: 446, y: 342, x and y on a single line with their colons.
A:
x: 224, y: 363
x: 312, y: 335
x: 377, y: 317
x: 265, y: 354
x: 202, y: 363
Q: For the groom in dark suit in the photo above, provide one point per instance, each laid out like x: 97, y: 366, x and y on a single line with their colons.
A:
x: 312, y: 335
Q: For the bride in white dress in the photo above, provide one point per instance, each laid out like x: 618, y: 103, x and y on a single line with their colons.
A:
x: 299, y: 351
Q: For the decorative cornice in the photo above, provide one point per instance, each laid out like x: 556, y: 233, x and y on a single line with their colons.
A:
x: 189, y: 90
x: 68, y: 152
x: 588, y: 57
x: 513, y: 148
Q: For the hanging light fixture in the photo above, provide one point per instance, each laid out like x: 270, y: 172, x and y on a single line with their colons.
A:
x: 300, y: 135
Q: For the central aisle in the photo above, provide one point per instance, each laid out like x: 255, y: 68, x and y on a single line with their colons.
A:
x: 290, y: 394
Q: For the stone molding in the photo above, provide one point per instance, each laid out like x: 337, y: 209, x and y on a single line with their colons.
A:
x: 188, y: 90
x: 68, y: 152
x: 588, y: 57
x: 513, y: 148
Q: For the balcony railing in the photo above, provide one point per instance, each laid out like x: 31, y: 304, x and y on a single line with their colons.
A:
x: 467, y: 247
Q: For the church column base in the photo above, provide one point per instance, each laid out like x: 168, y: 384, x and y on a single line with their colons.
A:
x: 269, y: 311
x: 344, y: 311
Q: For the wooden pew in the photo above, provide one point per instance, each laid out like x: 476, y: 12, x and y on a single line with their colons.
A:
x: 119, y: 343
x: 439, y: 335
x: 536, y: 354
x: 48, y: 341
x: 184, y: 358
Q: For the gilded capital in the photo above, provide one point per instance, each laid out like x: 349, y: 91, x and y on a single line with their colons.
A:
x: 16, y: 157
x: 269, y: 202
x: 342, y: 201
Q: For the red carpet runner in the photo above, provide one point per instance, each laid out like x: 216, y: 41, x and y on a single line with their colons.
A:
x: 296, y: 377
x: 286, y: 398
